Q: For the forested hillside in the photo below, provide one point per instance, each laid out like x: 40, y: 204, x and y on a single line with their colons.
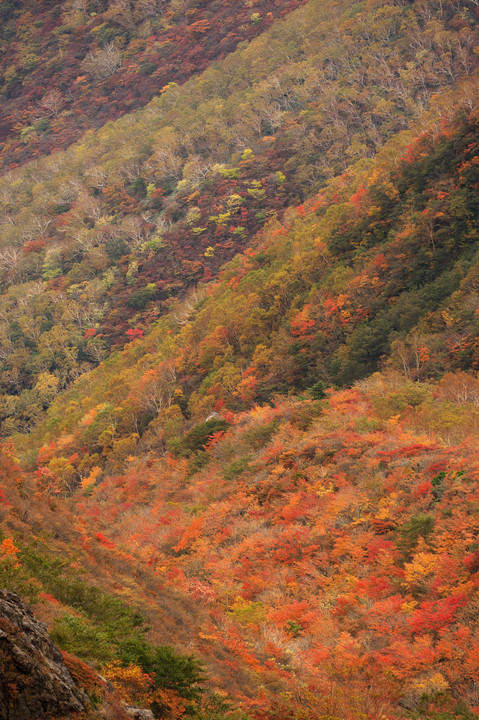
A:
x: 239, y: 354
x: 377, y: 270
x: 72, y: 65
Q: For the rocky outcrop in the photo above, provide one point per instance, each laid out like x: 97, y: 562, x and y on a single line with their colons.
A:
x: 34, y: 681
x: 139, y: 713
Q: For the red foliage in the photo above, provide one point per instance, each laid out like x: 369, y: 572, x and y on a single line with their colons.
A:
x: 134, y: 333
x: 434, y: 615
x: 104, y: 541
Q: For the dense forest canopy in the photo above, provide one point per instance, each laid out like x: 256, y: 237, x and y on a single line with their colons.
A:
x: 100, y: 238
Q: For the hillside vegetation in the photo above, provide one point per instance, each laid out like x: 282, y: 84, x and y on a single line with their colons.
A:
x: 317, y: 538
x: 320, y: 555
x: 96, y: 241
x: 239, y: 368
x: 379, y: 269
x: 69, y: 66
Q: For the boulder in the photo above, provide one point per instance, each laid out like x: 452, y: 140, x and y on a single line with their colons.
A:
x: 139, y: 713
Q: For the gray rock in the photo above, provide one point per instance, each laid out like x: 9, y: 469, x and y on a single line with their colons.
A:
x: 34, y: 681
x: 139, y: 713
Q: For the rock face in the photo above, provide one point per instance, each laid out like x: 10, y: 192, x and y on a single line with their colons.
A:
x: 139, y: 713
x: 34, y: 681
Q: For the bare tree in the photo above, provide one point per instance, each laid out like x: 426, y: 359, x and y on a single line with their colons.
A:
x: 53, y: 101
x: 101, y: 64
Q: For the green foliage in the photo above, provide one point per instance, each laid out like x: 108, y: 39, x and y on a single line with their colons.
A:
x: 25, y: 133
x: 249, y: 613
x: 98, y: 645
x: 260, y: 435
x: 236, y: 468
x: 147, y: 68
x: 294, y: 628
x: 303, y: 416
x: 143, y: 296
x: 182, y: 673
x: 42, y: 125
x: 78, y: 636
x: 106, y: 33
x: 318, y: 390
x: 230, y: 173
x: 105, y: 629
x: 418, y: 526
x: 95, y: 604
x: 396, y: 401
x: 196, y: 439
x: 197, y: 462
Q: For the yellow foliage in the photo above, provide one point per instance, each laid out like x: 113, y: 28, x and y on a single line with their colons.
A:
x: 385, y: 507
x: 250, y: 613
x: 323, y: 489
x: 131, y: 683
x: 432, y: 684
x: 137, y: 687
x: 408, y: 606
x: 8, y: 548
x: 421, y: 567
x: 91, y: 478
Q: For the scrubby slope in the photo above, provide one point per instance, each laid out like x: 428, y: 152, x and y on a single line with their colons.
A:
x: 325, y: 549
x: 97, y: 240
x: 336, y: 556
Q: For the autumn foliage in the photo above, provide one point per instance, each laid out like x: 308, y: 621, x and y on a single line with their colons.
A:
x: 239, y: 352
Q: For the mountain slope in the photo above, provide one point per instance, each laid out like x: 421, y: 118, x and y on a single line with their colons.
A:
x: 239, y: 362
x: 321, y: 545
x: 378, y: 268
x: 70, y: 66
x: 324, y: 551
x: 101, y: 237
x: 326, y: 556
